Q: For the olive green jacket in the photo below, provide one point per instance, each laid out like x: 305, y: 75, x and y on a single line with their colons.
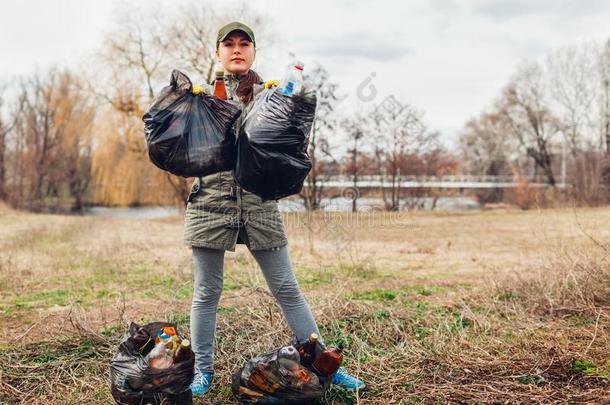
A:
x: 218, y: 207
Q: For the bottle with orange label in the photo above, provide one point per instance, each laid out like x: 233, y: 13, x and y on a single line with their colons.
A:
x: 220, y: 89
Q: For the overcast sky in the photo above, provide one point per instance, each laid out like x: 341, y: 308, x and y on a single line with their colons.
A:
x: 449, y: 58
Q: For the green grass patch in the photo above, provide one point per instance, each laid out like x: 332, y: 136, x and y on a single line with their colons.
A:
x: 376, y: 295
x: 230, y: 285
x: 382, y: 314
x: 362, y: 270
x: 315, y: 277
x: 339, y: 395
x: 427, y: 291
x: 48, y: 356
x: 104, y: 274
x: 589, y: 368
x: 461, y: 322
x: 532, y: 379
x: 113, y: 331
x: 49, y: 298
x: 421, y: 332
x: 164, y: 287
x: 182, y: 320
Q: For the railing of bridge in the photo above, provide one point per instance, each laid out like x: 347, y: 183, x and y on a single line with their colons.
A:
x: 449, y: 181
x: 425, y: 179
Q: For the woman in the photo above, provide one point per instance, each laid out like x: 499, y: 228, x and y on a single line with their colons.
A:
x: 220, y: 214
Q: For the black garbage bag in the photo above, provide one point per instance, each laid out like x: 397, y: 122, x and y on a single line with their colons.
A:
x: 190, y: 135
x: 272, y: 379
x: 133, y: 381
x: 272, y: 158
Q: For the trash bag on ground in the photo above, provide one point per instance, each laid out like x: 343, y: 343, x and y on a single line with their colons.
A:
x: 275, y: 378
x: 135, y: 381
x: 272, y: 158
x: 189, y: 135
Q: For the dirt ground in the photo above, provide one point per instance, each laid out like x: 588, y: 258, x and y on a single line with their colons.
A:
x: 501, y: 306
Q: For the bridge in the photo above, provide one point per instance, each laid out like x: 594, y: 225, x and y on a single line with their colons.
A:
x: 445, y: 182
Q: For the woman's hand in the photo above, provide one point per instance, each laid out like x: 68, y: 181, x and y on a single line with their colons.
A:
x: 271, y: 83
x: 197, y: 90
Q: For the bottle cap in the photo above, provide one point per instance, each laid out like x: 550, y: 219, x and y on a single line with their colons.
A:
x: 185, y: 343
x: 313, y: 337
x: 218, y: 69
x: 299, y: 65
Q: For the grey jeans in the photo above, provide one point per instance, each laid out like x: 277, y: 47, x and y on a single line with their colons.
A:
x: 277, y: 269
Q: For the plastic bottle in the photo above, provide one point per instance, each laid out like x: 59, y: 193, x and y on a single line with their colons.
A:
x: 329, y: 361
x: 293, y: 81
x: 220, y: 89
x: 290, y: 353
x: 307, y: 351
x: 160, y: 357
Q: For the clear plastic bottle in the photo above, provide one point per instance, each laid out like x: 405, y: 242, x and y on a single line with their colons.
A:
x: 160, y: 356
x: 290, y: 353
x: 293, y: 81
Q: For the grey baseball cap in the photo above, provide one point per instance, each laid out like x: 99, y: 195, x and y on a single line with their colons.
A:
x: 224, y: 32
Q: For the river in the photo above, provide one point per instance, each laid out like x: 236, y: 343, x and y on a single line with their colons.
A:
x: 293, y: 205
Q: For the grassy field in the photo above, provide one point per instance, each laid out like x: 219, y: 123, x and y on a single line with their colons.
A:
x: 479, y: 307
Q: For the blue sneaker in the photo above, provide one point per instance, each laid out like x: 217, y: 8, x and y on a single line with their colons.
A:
x: 201, y: 382
x: 347, y: 381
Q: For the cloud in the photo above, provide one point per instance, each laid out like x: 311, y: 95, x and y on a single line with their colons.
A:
x: 360, y: 45
x: 503, y: 10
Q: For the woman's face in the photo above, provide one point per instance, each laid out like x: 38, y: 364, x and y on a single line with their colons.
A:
x: 236, y: 53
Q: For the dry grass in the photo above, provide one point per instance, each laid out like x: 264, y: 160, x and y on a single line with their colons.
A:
x: 490, y: 307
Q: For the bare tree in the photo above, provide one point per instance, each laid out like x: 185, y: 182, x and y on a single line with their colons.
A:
x: 77, y: 142
x: 483, y: 146
x: 140, y: 53
x: 323, y: 128
x: 5, y: 129
x: 525, y: 110
x: 52, y: 142
x: 39, y: 133
x: 400, y: 132
x: 604, y: 108
x: 355, y: 128
x: 572, y: 94
x: 603, y: 68
x: 3, y: 138
x: 576, y: 91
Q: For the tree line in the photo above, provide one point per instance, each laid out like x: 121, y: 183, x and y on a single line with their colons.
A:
x: 71, y: 138
x: 552, y: 120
